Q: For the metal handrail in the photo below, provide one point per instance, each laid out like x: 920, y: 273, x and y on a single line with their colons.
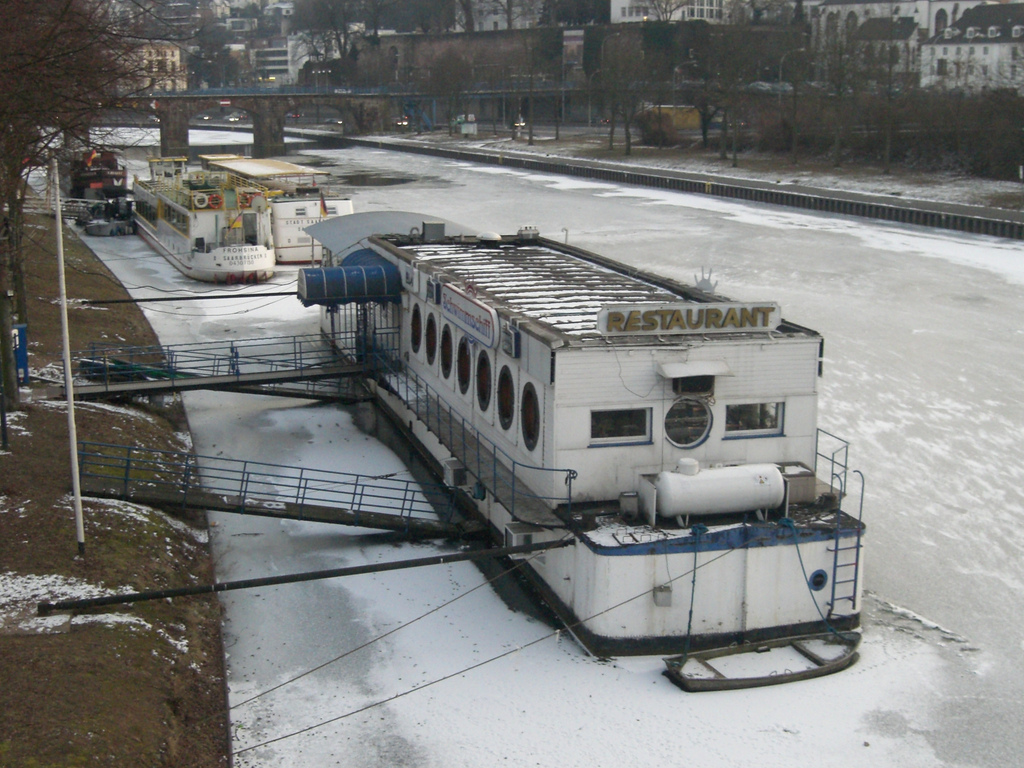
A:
x: 431, y: 408
x: 104, y: 362
x: 837, y: 460
x: 136, y: 469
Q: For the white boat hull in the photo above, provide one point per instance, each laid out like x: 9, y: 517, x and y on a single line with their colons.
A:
x: 229, y: 264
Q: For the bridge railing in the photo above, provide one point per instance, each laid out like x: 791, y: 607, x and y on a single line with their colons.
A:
x: 134, y: 471
x: 106, y: 363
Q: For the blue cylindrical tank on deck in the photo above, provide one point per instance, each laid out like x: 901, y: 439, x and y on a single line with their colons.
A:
x: 691, y: 490
x: 369, y: 278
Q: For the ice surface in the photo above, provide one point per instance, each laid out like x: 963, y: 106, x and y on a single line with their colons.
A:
x: 922, y: 374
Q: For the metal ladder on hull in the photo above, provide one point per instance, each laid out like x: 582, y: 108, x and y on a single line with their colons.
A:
x: 846, y: 559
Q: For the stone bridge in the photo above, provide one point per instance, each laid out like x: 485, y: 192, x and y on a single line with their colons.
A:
x: 267, y: 109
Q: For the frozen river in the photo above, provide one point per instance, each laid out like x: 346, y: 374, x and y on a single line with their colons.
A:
x: 922, y: 374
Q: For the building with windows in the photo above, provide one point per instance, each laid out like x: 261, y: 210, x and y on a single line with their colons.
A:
x: 929, y: 17
x: 630, y: 11
x: 983, y: 50
x: 162, y: 68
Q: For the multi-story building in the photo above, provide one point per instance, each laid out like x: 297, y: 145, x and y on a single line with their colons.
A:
x: 628, y: 11
x: 162, y: 67
x: 270, y: 61
x: 929, y: 16
x: 983, y: 50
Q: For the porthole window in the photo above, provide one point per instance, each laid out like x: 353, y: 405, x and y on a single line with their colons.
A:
x: 506, y: 397
x: 688, y: 423
x: 431, y: 339
x: 416, y: 329
x: 464, y: 363
x: 530, y: 417
x: 483, y: 379
x: 818, y: 580
x: 446, y: 351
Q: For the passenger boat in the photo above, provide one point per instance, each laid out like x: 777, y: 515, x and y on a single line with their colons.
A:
x: 211, y: 225
x: 667, y: 432
x: 299, y: 197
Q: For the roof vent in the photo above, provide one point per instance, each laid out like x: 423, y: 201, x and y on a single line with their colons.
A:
x: 489, y: 238
x: 433, y: 231
x: 528, y: 233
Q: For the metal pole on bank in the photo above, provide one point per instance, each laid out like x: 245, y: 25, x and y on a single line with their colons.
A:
x: 76, y: 485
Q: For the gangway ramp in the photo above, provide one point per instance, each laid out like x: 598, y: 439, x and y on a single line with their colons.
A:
x: 175, y: 480
x: 245, y: 365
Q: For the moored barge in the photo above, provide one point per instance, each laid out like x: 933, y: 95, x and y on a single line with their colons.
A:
x: 669, y: 432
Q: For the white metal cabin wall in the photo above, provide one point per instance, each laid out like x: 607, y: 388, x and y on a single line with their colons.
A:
x: 535, y: 358
x: 731, y: 594
x: 610, y: 378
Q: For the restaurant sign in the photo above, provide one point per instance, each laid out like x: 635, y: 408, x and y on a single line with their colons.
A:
x: 656, y: 319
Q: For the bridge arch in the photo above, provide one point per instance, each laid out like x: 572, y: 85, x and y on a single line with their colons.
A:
x: 268, y: 111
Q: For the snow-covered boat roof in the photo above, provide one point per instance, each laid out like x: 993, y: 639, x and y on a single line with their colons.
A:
x: 265, y: 168
x: 579, y: 296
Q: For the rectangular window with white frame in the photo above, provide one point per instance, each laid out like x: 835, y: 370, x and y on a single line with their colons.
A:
x: 620, y: 427
x: 754, y: 420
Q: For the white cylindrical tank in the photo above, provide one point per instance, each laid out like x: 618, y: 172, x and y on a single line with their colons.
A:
x: 693, y: 491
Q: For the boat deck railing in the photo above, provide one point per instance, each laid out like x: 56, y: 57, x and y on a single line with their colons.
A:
x: 831, y: 455
x: 181, y: 189
x: 510, y: 481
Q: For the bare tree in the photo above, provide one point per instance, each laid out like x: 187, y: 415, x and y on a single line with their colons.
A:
x: 666, y: 10
x: 374, y: 12
x: 836, y: 53
x: 514, y: 10
x: 890, y: 65
x: 448, y: 77
x: 327, y: 24
x: 63, y: 61
x: 625, y: 77
x: 467, y: 14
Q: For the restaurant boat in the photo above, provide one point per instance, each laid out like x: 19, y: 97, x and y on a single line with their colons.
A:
x: 662, y: 435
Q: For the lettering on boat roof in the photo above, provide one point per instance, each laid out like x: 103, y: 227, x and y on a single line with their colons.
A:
x: 632, y: 320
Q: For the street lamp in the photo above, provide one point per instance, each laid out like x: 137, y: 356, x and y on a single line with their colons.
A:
x: 590, y: 83
x: 781, y: 61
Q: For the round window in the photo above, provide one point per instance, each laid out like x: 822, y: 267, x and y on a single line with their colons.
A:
x: 818, y: 580
x: 688, y: 423
x: 416, y: 329
x: 483, y: 379
x: 530, y: 417
x: 464, y: 364
x: 446, y: 351
x: 431, y: 339
x: 506, y: 397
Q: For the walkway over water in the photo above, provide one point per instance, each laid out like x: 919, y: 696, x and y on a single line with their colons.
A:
x: 182, y: 480
x: 262, y: 366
